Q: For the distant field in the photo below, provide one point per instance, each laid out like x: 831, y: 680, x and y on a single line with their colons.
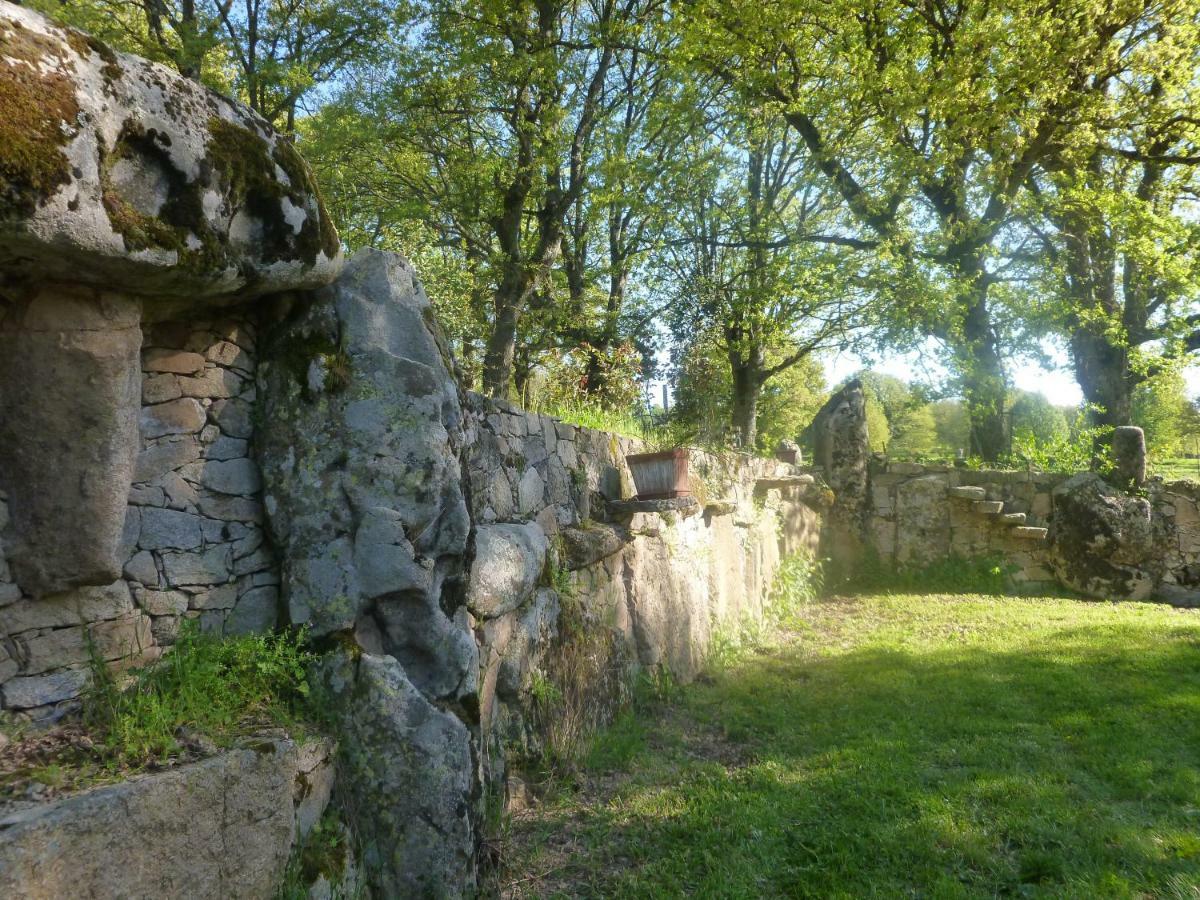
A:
x: 1178, y: 469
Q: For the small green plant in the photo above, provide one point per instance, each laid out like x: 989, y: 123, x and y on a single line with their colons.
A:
x: 322, y: 853
x: 544, y: 691
x: 203, y: 684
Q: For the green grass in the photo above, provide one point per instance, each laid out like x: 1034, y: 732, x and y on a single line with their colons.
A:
x: 1179, y: 469
x: 919, y: 746
x: 203, y: 685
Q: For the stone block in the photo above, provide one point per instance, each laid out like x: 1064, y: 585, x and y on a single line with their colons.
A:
x: 77, y: 607
x: 160, y: 389
x: 233, y: 417
x: 508, y: 563
x: 168, y: 529
x: 162, y: 603
x: 182, y: 416
x: 214, y: 384
x: 68, y: 431
x: 164, y: 456
x: 128, y: 637
x: 177, y: 362
x: 233, y: 476
x: 530, y: 492
x: 142, y: 569
x: 256, y: 612
x: 221, y: 597
x: 230, y: 355
x: 41, y: 690
x: 212, y: 566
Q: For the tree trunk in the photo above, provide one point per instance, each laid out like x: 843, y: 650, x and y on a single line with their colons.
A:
x: 746, y: 370
x: 984, y: 387
x: 1102, y: 370
x: 501, y: 346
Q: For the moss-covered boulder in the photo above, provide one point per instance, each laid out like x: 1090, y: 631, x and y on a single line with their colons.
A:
x: 1103, y: 540
x: 120, y: 172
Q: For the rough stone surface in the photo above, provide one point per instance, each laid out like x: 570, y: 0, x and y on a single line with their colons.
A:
x: 409, y: 773
x: 841, y: 452
x: 68, y: 435
x: 360, y: 458
x: 1102, y: 539
x: 141, y: 179
x: 1129, y: 451
x: 222, y: 827
x: 508, y: 563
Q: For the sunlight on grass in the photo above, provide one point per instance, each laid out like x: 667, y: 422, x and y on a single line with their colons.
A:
x: 944, y: 746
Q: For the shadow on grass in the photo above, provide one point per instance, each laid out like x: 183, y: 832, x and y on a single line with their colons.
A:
x: 1068, y: 765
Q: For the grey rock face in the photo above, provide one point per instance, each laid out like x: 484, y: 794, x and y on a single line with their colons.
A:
x: 1102, y: 539
x: 508, y: 563
x: 360, y: 458
x: 841, y: 450
x: 69, y: 399
x: 218, y: 828
x: 1129, y: 450
x: 363, y: 485
x: 409, y: 771
x: 140, y: 179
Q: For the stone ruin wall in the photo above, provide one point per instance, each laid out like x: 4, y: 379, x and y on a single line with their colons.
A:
x: 919, y: 514
x: 193, y: 543
x: 652, y: 582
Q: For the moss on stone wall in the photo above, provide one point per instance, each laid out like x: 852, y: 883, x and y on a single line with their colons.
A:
x: 38, y: 113
x: 246, y: 165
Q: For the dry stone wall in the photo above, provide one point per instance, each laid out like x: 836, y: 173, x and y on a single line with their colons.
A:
x: 919, y: 514
x: 192, y: 544
x: 577, y: 586
x: 1053, y: 529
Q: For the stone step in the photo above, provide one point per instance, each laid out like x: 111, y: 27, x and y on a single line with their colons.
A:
x: 988, y: 507
x: 1013, y: 518
x: 968, y: 492
x: 1030, y: 532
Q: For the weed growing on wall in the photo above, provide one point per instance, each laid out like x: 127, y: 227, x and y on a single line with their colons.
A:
x: 797, y: 583
x: 323, y: 853
x: 204, y: 685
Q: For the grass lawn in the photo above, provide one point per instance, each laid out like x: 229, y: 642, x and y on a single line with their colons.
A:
x: 899, y: 746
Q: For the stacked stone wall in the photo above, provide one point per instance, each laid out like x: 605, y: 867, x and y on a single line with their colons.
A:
x: 193, y: 543
x: 920, y: 514
x: 560, y: 540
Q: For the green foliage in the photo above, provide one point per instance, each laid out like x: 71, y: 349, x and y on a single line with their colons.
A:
x: 703, y: 390
x: 322, y: 853
x: 204, y: 684
x: 989, y: 575
x: 934, y: 746
x: 797, y: 583
x: 563, y: 380
x: 1035, y: 420
x: 1161, y: 408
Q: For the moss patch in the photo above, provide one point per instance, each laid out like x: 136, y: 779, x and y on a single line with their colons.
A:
x: 38, y: 113
x: 245, y: 164
x: 84, y: 44
x: 182, y: 213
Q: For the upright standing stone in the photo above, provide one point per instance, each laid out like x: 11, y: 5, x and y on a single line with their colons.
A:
x: 360, y: 456
x: 841, y: 451
x: 1129, y: 453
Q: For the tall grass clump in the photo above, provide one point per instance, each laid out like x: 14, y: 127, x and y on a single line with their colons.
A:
x: 797, y: 583
x: 203, y: 684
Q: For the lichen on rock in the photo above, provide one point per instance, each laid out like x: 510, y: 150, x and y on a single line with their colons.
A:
x: 121, y: 172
